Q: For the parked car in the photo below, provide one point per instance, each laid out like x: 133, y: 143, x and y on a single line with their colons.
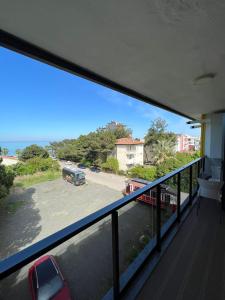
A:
x: 74, y: 176
x: 95, y: 169
x: 46, y: 280
x: 81, y: 166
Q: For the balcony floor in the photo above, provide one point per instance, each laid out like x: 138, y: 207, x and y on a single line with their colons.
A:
x: 193, y: 267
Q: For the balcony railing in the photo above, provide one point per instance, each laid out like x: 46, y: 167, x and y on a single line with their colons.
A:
x: 185, y: 177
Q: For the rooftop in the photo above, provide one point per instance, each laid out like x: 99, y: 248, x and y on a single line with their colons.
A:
x: 128, y: 141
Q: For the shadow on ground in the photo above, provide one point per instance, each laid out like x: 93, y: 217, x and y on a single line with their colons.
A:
x: 20, y: 227
x: 86, y: 260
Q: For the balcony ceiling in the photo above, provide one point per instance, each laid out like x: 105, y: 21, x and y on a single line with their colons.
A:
x: 157, y: 48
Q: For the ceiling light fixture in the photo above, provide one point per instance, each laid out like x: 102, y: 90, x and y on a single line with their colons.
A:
x: 205, y: 78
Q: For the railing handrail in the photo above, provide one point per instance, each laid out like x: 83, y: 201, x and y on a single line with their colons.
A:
x: 16, y: 261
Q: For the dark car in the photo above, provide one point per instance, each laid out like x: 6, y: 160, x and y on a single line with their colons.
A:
x: 74, y: 176
x: 46, y: 280
x: 95, y: 169
x: 81, y: 166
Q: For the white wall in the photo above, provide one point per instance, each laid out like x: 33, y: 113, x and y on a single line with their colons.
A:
x: 122, y: 153
x: 214, y: 135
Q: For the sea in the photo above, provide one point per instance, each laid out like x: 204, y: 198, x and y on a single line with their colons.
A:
x: 13, y: 146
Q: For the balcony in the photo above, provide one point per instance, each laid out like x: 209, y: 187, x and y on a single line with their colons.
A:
x: 155, y: 53
x: 108, y: 250
x: 193, y: 266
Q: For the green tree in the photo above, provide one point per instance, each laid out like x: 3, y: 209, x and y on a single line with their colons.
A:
x: 111, y: 165
x: 5, y: 151
x: 159, y: 143
x: 147, y: 173
x: 118, y: 129
x: 6, y: 180
x: 33, y: 151
x: 18, y: 152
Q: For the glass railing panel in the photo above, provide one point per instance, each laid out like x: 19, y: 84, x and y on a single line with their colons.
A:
x: 85, y: 262
x: 168, y: 199
x: 184, y: 187
x: 194, y: 178
x: 137, y: 227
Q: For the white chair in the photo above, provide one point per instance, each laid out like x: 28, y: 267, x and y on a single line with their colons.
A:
x: 209, y: 189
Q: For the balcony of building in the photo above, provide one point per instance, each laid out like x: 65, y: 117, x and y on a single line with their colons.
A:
x: 193, y: 265
x: 167, y: 54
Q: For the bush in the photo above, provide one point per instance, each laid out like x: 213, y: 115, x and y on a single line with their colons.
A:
x: 111, y: 165
x: 33, y: 151
x: 86, y: 163
x: 35, y: 165
x: 6, y: 180
x: 147, y: 173
x: 171, y: 164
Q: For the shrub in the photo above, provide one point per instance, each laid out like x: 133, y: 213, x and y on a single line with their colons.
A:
x: 111, y: 165
x: 33, y: 151
x: 147, y: 173
x: 86, y: 163
x: 35, y: 165
x: 6, y: 179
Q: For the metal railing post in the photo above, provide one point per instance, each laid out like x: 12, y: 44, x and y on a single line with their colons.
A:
x: 190, y: 186
x: 115, y: 256
x: 178, y: 197
x: 158, y: 218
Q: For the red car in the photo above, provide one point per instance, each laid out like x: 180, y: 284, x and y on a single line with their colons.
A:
x: 46, y: 280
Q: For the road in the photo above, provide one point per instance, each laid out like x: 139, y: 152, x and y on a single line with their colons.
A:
x: 112, y: 181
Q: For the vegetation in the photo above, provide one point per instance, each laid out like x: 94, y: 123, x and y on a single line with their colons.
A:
x: 18, y: 152
x: 92, y: 148
x: 159, y: 143
x: 33, y: 151
x: 4, y: 151
x: 147, y: 173
x: 179, y: 160
x: 34, y: 165
x: 29, y: 180
x: 6, y: 180
x: 111, y: 165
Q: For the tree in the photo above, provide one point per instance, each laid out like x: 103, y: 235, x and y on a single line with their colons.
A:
x: 118, y: 129
x: 5, y: 151
x: 33, y: 151
x: 159, y: 143
x: 6, y: 180
x: 18, y: 152
x: 147, y: 173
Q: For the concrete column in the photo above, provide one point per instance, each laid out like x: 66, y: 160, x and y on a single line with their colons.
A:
x: 214, y: 135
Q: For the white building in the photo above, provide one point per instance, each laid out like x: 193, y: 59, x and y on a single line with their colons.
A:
x: 129, y: 152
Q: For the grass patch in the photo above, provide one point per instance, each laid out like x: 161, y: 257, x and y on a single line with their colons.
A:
x: 29, y: 180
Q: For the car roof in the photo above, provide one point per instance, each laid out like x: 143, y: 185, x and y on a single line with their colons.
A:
x: 45, y: 271
x: 75, y: 171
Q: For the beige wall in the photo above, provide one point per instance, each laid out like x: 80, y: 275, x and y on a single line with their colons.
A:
x: 129, y: 155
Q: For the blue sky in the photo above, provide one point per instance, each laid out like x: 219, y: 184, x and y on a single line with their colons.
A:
x: 39, y: 102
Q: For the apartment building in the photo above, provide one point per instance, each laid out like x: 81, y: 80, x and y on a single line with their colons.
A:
x: 187, y: 143
x: 129, y: 152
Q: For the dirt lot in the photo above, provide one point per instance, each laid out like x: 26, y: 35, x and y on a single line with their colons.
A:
x: 48, y: 207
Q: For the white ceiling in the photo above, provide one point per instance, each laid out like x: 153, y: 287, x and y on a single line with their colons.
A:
x: 156, y: 48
